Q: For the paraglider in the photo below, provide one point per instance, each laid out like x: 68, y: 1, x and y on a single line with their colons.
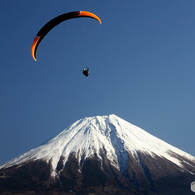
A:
x: 54, y: 22
x: 86, y: 72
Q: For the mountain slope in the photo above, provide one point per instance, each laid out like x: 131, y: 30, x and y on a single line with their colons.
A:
x: 110, y: 152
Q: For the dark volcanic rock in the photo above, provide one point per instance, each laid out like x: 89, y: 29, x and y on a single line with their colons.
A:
x: 32, y: 176
x: 144, y: 175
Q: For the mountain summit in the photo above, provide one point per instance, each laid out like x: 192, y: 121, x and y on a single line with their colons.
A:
x: 102, y: 155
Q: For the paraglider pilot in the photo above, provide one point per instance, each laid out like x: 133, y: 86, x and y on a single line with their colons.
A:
x: 86, y: 72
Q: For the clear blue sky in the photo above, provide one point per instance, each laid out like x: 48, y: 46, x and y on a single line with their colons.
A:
x: 141, y: 60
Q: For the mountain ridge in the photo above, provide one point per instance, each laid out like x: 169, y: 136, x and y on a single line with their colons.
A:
x: 115, y: 140
x: 111, y: 152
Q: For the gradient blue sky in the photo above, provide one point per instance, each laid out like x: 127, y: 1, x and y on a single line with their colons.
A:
x: 141, y: 60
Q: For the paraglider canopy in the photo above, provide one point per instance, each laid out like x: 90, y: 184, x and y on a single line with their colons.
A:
x: 86, y: 72
x: 54, y: 22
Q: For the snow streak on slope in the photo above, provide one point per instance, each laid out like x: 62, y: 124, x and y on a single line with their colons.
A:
x: 89, y: 135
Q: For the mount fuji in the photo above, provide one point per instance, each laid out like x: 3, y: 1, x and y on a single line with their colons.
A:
x: 100, y: 155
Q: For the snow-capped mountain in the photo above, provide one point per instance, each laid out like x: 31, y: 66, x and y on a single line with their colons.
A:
x: 106, y: 151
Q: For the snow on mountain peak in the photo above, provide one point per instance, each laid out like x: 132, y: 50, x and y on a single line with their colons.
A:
x: 90, y: 135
